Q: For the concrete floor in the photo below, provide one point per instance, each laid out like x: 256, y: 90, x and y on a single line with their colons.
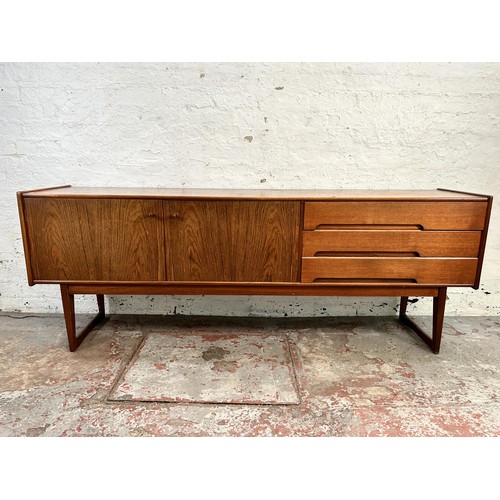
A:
x: 182, y: 376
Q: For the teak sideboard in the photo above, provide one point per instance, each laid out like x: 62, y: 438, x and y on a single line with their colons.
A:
x: 254, y: 242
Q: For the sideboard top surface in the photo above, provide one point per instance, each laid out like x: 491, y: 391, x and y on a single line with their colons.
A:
x: 253, y: 194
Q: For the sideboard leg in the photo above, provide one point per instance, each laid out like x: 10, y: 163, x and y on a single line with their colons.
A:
x: 68, y: 300
x: 402, y: 307
x: 439, y: 303
x: 438, y: 319
x: 100, y: 304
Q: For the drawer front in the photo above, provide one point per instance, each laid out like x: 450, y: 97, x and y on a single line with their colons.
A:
x: 391, y: 243
x: 435, y: 271
x: 429, y: 215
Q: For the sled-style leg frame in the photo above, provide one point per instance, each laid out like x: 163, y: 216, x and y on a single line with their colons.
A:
x: 434, y: 341
x: 68, y: 300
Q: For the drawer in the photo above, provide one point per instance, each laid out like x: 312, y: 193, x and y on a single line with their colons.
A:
x: 435, y: 271
x: 431, y: 215
x: 391, y: 243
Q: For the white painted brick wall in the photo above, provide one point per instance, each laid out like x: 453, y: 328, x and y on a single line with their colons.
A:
x: 361, y: 125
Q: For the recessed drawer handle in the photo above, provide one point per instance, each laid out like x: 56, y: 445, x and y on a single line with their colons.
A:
x: 370, y: 227
x: 328, y: 253
x: 365, y: 280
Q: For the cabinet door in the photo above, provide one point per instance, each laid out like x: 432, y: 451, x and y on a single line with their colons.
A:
x: 249, y: 241
x: 95, y: 239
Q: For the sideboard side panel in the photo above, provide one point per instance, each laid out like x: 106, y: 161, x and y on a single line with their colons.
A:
x: 25, y: 236
x: 482, y: 247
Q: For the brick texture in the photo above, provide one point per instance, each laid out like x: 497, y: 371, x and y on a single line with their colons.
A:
x: 249, y: 125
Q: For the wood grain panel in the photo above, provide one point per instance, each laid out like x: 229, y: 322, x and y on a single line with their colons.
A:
x: 432, y: 215
x: 426, y: 271
x: 92, y: 239
x: 422, y: 243
x: 232, y: 240
x: 252, y: 194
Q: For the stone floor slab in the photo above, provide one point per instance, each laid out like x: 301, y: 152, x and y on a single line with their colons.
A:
x: 210, y: 368
x: 380, y: 363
